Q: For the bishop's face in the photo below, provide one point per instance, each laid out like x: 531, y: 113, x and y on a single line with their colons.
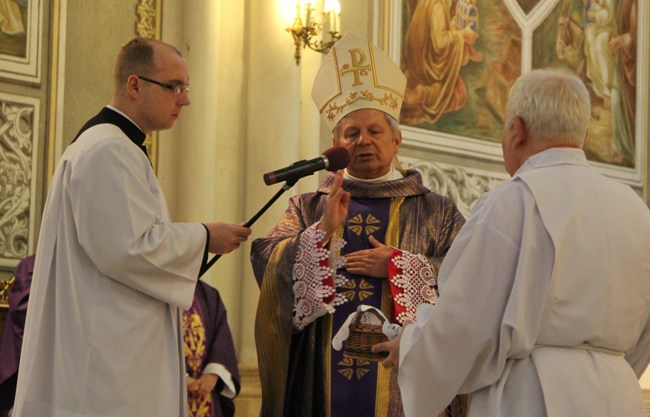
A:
x: 368, y: 136
x: 161, y: 106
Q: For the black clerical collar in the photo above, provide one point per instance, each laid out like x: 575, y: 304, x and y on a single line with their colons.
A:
x: 108, y: 115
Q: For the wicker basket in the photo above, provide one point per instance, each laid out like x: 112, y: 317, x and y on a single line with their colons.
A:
x: 363, y: 337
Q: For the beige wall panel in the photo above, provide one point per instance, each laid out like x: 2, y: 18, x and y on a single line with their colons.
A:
x: 95, y: 30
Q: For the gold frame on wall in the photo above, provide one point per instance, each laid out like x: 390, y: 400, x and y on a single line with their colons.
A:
x: 54, y: 122
x: 389, y: 34
x: 26, y: 68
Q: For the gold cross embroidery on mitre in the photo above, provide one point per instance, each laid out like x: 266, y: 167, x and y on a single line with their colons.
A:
x: 358, y: 58
x: 358, y: 68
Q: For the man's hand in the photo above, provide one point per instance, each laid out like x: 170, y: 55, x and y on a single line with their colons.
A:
x: 226, y: 237
x: 392, y: 347
x: 336, y: 207
x: 202, y: 385
x: 370, y: 262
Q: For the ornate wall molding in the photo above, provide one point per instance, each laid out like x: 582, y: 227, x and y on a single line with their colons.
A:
x: 148, y: 13
x: 463, y: 185
x: 18, y: 160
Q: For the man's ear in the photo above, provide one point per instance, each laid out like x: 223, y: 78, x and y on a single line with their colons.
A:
x: 133, y: 86
x: 521, y: 134
x: 397, y: 139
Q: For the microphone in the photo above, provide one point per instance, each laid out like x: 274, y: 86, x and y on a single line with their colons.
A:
x: 333, y: 159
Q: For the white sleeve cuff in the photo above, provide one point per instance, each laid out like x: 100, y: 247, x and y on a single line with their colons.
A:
x: 229, y: 390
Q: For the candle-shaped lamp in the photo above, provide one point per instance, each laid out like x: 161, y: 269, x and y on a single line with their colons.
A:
x: 337, y: 10
x: 330, y: 9
x: 308, y: 12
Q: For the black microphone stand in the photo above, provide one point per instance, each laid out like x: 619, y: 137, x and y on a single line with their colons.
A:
x: 288, y: 184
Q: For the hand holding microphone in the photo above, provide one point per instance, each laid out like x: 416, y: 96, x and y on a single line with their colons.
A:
x: 333, y: 159
x: 226, y: 237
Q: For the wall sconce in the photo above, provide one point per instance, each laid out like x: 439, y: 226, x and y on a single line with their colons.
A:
x: 306, y: 34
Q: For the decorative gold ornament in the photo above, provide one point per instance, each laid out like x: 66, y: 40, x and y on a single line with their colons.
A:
x: 307, y: 34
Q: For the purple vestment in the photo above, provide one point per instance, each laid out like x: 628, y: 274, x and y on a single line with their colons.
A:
x: 12, y: 339
x: 300, y: 373
x: 219, y: 344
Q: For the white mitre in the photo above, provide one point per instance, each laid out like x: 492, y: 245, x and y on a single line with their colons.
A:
x: 356, y: 75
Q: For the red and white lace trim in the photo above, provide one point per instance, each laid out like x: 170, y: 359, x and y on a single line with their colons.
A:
x: 412, y: 284
x: 411, y: 277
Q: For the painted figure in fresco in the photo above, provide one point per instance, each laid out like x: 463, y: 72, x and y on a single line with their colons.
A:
x: 466, y: 15
x: 600, y: 27
x: 11, y: 21
x: 568, y: 43
x: 623, y: 46
x: 435, y: 51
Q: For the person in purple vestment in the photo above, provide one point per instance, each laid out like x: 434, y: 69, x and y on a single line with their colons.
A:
x: 12, y: 339
x: 373, y: 235
x: 211, y: 363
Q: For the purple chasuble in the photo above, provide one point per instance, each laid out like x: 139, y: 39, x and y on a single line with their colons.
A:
x: 354, y: 381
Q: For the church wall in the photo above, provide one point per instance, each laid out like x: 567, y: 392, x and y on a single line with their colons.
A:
x: 92, y: 40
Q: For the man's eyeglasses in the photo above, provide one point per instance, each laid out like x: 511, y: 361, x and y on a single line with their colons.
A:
x: 178, y: 88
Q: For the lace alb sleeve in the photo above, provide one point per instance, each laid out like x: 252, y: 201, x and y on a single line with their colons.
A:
x: 412, y: 282
x: 314, y: 272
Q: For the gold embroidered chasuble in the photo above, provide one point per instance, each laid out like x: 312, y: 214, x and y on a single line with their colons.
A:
x: 295, y: 366
x: 195, y: 349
